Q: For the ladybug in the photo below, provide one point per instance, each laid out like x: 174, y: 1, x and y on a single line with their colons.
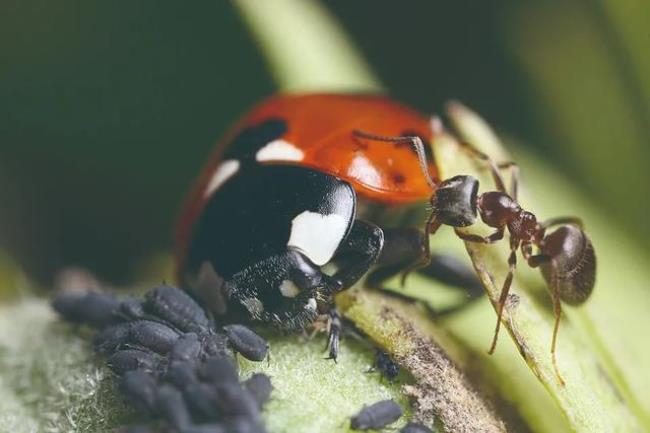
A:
x: 288, y: 211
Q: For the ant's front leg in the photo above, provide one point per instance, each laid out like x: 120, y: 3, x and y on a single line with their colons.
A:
x: 490, y: 239
x: 512, y: 263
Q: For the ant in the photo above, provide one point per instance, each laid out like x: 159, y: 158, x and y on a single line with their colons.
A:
x: 565, y: 256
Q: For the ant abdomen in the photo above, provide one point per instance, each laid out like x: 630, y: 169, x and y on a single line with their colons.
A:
x: 571, y: 269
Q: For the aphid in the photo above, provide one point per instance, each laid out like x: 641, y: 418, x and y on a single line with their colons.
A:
x: 233, y: 400
x: 219, y: 370
x: 565, y: 256
x: 134, y: 359
x: 176, y: 307
x: 247, y: 342
x: 131, y: 309
x: 140, y: 388
x: 414, y: 427
x: 171, y: 405
x: 200, y: 397
x: 181, y: 374
x: 111, y: 338
x: 376, y: 416
x: 96, y: 309
x: 153, y: 335
x: 259, y: 385
x: 187, y: 347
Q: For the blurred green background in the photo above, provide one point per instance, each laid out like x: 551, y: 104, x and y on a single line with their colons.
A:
x: 108, y: 109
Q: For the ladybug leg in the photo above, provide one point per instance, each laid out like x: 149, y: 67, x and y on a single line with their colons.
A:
x: 334, y: 328
x: 360, y: 250
x: 404, y: 249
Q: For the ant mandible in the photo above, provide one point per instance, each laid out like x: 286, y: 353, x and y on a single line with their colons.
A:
x: 565, y: 256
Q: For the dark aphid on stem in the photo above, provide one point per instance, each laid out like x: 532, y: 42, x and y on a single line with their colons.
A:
x: 248, y: 343
x: 414, y: 427
x: 135, y: 359
x: 219, y: 370
x: 95, y: 309
x: 131, y: 309
x: 187, y: 348
x: 140, y: 389
x: 200, y: 398
x: 171, y: 406
x: 376, y: 416
x: 565, y: 256
x: 235, y: 401
x: 181, y: 374
x: 176, y: 307
x: 259, y: 385
x: 111, y: 338
x: 153, y: 335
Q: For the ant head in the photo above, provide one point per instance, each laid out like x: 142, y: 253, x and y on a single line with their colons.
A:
x: 454, y: 202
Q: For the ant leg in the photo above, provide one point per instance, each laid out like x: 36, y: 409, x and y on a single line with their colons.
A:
x: 415, y: 141
x: 514, y: 174
x: 534, y: 261
x: 512, y: 262
x: 561, y: 221
x: 557, y: 309
x: 490, y: 239
x: 494, y: 169
x: 334, y: 327
x: 431, y: 227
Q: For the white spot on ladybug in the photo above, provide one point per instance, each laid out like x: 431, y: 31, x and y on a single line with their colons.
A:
x: 279, y: 150
x: 224, y: 171
x: 289, y: 289
x: 317, y: 236
x: 311, y: 304
x: 363, y: 169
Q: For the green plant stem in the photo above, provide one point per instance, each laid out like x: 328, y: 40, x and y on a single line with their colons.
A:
x: 305, y: 47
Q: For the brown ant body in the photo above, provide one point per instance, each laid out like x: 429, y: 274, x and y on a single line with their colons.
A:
x: 565, y: 256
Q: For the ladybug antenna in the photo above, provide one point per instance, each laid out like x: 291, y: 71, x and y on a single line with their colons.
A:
x: 414, y: 140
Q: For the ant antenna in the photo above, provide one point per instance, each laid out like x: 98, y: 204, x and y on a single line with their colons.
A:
x: 415, y: 141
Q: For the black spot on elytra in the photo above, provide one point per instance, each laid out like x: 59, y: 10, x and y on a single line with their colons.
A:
x: 251, y: 139
x: 399, y: 178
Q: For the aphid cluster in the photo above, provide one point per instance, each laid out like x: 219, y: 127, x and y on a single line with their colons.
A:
x: 172, y: 361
